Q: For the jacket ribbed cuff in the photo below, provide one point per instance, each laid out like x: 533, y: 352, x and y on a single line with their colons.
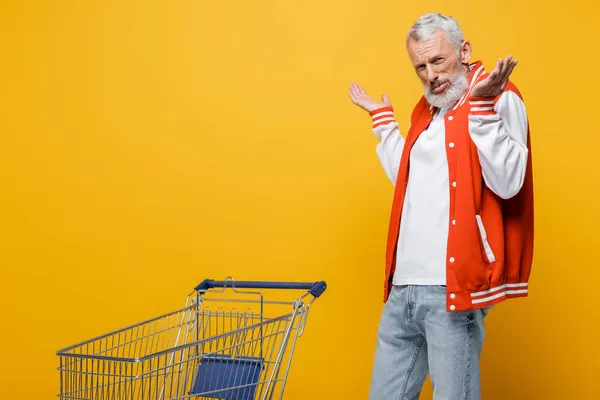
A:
x: 481, y: 106
x: 382, y: 116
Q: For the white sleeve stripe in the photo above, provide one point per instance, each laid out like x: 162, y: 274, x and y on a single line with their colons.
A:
x: 382, y: 114
x: 482, y: 108
x: 482, y: 102
x: 387, y: 120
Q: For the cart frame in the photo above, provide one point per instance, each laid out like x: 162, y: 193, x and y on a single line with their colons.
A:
x: 195, y: 352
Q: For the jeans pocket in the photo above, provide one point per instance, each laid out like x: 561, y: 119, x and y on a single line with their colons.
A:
x: 440, y: 288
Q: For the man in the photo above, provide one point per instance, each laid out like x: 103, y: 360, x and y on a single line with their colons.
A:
x: 461, y: 228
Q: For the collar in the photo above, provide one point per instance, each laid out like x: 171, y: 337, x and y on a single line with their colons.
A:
x: 475, y: 71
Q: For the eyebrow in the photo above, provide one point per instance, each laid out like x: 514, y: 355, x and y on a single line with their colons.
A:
x: 431, y: 59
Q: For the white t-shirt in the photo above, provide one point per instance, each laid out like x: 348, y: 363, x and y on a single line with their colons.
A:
x: 421, y: 252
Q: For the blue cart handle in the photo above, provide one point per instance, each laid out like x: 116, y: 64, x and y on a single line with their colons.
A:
x: 314, y: 288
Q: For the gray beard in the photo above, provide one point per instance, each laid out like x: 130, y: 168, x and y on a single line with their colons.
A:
x: 458, y: 87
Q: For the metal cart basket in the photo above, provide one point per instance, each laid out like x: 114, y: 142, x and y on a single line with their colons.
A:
x: 213, y: 348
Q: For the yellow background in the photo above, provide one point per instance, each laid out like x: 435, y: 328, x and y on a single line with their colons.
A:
x: 147, y: 145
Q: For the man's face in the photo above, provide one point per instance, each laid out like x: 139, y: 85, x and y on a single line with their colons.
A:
x: 437, y: 63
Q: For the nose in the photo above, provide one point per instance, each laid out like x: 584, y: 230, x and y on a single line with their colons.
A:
x: 432, y: 75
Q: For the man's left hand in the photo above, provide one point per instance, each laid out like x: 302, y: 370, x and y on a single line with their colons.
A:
x: 493, y: 85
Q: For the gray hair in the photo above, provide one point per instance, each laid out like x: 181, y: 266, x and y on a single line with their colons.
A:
x: 428, y: 24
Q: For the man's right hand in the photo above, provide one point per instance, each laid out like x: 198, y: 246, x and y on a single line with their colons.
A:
x: 361, y: 99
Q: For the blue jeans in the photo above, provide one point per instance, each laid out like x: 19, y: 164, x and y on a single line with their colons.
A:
x: 417, y: 336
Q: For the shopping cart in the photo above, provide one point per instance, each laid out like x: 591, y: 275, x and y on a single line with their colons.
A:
x: 213, y: 348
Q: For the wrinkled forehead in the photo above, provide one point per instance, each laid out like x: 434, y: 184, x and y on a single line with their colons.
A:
x: 435, y: 45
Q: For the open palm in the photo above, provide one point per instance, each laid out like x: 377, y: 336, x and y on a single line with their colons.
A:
x: 364, y: 101
x: 495, y: 83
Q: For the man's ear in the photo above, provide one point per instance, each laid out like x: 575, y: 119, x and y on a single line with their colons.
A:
x: 465, y: 52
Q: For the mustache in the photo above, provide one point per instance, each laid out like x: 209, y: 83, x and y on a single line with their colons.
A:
x: 438, y: 83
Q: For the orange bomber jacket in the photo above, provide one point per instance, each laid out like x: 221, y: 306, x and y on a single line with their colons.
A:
x: 490, y: 239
